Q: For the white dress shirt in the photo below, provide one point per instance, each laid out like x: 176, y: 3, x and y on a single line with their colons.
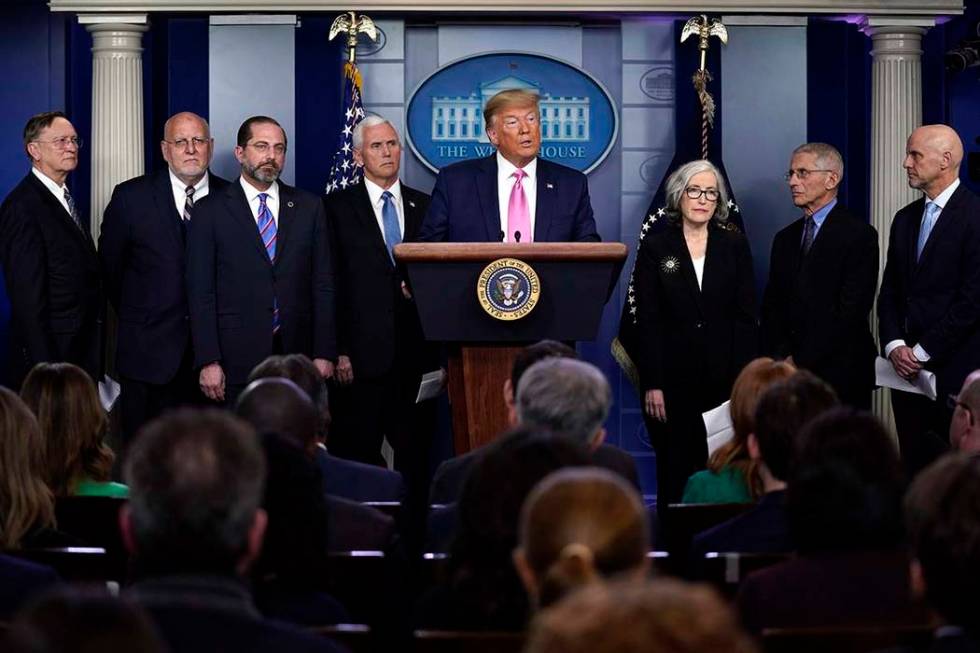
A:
x: 377, y: 203
x: 505, y: 184
x: 699, y: 270
x: 940, y: 201
x: 180, y: 190
x: 52, y: 185
x: 272, y: 201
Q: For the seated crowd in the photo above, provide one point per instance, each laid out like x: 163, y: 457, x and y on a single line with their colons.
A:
x: 243, y: 533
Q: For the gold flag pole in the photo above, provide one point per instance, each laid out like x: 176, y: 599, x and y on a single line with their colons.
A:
x: 704, y: 29
x: 352, y: 24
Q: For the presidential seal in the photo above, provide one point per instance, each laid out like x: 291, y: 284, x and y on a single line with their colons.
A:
x: 508, y: 289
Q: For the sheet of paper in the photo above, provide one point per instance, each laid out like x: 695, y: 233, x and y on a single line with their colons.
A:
x: 108, y: 392
x: 886, y: 376
x: 432, y: 384
x: 718, y: 426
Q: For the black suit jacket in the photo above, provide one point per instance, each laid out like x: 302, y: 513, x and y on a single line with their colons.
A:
x: 232, y: 285
x: 142, y: 252
x: 53, y: 282
x: 20, y: 582
x: 374, y: 319
x: 465, y: 204
x: 356, y: 481
x: 762, y: 529
x: 816, y: 308
x: 694, y: 341
x: 935, y: 301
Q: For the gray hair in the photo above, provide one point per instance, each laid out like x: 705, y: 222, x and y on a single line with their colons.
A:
x: 369, y: 120
x: 828, y: 157
x: 681, y: 177
x: 567, y: 396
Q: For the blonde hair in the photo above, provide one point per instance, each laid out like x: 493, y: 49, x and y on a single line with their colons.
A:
x: 512, y: 97
x: 579, y: 525
x: 754, y: 379
x: 72, y: 422
x: 25, y: 501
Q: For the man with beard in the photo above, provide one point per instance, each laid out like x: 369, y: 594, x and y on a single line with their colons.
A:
x: 259, y: 274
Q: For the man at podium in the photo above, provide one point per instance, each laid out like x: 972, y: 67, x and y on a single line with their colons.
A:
x: 511, y: 195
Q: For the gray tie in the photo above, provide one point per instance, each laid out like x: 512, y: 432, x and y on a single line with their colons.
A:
x: 809, y: 226
x: 70, y: 201
x: 188, y: 203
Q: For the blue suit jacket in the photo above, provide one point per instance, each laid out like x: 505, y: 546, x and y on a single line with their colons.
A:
x: 465, y: 208
x: 358, y: 481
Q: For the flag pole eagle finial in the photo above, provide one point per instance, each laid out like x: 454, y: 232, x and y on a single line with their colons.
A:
x: 351, y: 24
x: 704, y: 30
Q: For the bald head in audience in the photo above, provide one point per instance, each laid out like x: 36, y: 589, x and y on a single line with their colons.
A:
x: 277, y: 405
x: 964, y: 430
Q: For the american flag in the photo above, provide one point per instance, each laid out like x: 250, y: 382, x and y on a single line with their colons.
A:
x: 343, y: 171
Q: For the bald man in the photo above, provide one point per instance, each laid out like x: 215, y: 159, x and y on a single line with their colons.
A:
x: 964, y: 429
x: 142, y: 251
x: 929, y: 303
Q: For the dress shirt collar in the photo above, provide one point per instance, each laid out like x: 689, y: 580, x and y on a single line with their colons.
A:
x: 49, y: 183
x: 944, y: 196
x: 375, y: 191
x: 181, y: 188
x: 505, y: 168
x: 251, y: 192
x: 821, y: 214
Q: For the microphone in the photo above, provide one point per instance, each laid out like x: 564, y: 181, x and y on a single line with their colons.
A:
x: 501, y: 236
x: 517, y: 236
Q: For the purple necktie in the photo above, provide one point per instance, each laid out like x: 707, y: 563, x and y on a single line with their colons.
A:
x: 518, y: 214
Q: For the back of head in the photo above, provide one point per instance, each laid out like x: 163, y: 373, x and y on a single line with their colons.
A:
x: 489, y: 511
x: 537, y: 352
x: 663, y: 616
x: 277, y: 405
x: 75, y: 620
x: 299, y: 369
x: 579, y: 524
x: 942, y: 513
x: 782, y: 412
x: 25, y: 500
x: 568, y: 397
x: 845, y: 487
x: 73, y: 424
x: 195, y: 479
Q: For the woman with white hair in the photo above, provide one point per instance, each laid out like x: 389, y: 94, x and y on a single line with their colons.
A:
x: 696, y: 313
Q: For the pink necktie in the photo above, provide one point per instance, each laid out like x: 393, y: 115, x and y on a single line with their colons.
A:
x: 518, y: 214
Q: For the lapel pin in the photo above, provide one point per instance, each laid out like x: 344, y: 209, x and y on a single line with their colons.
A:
x: 289, y: 204
x: 549, y: 185
x: 411, y: 203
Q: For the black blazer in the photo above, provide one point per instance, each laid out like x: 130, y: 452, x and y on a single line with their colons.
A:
x: 231, y: 284
x: 816, y: 309
x: 374, y: 317
x: 142, y: 252
x: 694, y: 341
x: 53, y: 282
x: 357, y: 481
x: 935, y: 302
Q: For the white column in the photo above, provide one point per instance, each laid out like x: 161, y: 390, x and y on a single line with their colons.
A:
x: 896, y: 109
x: 117, y: 104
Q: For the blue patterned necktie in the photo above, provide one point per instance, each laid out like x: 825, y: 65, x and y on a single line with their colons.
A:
x: 267, y: 232
x: 389, y: 218
x: 928, y: 222
x: 73, y: 210
x: 809, y: 229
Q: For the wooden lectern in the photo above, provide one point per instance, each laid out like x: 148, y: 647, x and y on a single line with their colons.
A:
x: 576, y: 280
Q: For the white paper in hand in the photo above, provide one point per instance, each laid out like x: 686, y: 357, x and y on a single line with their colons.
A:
x: 923, y: 384
x: 108, y: 392
x: 432, y: 385
x: 718, y: 426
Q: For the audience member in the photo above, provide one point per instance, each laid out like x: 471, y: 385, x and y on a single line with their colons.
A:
x: 567, y: 399
x: 26, y: 502
x: 195, y: 526
x: 942, y: 513
x: 73, y: 424
x: 578, y: 526
x: 964, y: 431
x: 732, y: 475
x: 484, y: 591
x: 663, y: 616
x: 844, y: 505
x: 344, y: 478
x: 782, y: 411
x: 82, y: 621
x: 20, y: 581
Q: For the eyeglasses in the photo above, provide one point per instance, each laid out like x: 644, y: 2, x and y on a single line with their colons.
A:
x: 63, y: 142
x: 953, y: 402
x: 182, y: 143
x: 710, y: 194
x: 262, y: 147
x: 802, y: 173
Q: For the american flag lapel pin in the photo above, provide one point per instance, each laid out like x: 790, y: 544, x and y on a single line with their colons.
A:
x: 549, y: 185
x: 289, y: 204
